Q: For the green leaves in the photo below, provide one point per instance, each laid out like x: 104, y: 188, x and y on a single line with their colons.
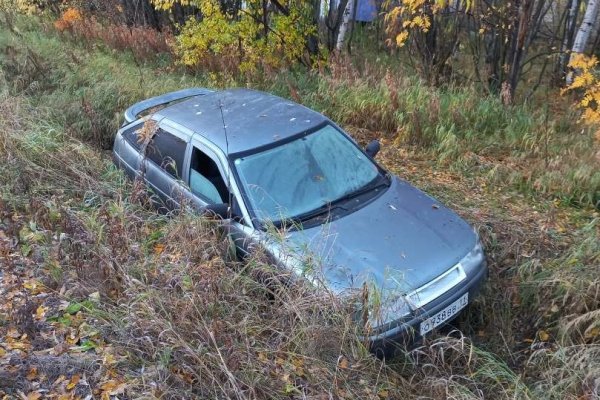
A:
x: 245, y: 40
x: 73, y: 308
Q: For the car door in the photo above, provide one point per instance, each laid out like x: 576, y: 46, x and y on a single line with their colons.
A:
x: 207, y: 173
x: 164, y: 164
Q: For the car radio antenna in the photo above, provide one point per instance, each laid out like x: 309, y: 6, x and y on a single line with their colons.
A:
x: 227, y: 172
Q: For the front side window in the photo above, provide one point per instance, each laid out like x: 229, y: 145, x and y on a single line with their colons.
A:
x: 167, y: 151
x: 305, y: 174
x: 206, y: 180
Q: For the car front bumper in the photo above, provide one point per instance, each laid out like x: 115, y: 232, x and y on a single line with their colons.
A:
x: 407, y: 332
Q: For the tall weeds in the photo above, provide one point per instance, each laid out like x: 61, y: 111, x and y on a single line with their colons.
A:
x: 180, y: 319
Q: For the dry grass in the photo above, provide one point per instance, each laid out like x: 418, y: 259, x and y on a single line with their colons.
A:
x: 182, y: 320
x: 177, y: 318
x: 197, y: 324
x: 143, y: 42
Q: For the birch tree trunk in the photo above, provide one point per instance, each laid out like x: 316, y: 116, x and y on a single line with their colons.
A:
x: 333, y: 21
x: 344, y: 27
x: 352, y: 26
x: 586, y: 28
x: 570, y: 25
x: 584, y: 33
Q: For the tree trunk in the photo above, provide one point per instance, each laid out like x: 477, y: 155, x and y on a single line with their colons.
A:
x: 140, y: 12
x: 151, y: 17
x: 520, y: 49
x: 494, y: 50
x: 178, y: 14
x: 569, y: 35
x: 586, y: 28
x: 344, y: 26
x: 333, y: 21
x: 312, y: 41
x: 128, y: 12
x: 594, y: 48
x: 352, y: 26
x: 520, y: 29
x: 265, y: 18
x: 584, y: 33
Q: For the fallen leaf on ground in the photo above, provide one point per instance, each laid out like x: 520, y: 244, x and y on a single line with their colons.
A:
x: 34, y: 396
x: 73, y: 382
x: 112, y: 388
x: 343, y: 362
x: 32, y: 374
x: 40, y: 313
x: 159, y: 248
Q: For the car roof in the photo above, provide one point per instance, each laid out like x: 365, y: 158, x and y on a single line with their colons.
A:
x: 252, y: 119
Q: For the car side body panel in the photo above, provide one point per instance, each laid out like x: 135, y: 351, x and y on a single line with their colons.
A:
x: 125, y: 155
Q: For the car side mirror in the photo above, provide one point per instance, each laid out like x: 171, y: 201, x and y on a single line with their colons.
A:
x: 219, y: 210
x: 224, y: 210
x: 373, y: 148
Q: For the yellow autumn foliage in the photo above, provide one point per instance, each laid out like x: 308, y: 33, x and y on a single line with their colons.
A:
x: 411, y: 15
x: 166, y: 5
x: 586, y: 79
x: 20, y: 6
x: 243, y: 39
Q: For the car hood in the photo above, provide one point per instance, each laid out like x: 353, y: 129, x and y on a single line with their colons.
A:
x: 399, y: 241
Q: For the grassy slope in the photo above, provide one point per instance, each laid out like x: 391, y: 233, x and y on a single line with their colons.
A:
x: 183, y: 319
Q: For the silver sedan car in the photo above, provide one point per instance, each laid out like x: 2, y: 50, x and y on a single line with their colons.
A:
x: 265, y: 164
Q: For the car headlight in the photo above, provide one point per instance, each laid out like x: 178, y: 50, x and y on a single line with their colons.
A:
x: 473, y: 259
x: 380, y: 309
x: 384, y: 307
x: 388, y: 311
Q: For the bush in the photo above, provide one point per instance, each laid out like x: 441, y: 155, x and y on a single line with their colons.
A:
x: 143, y: 42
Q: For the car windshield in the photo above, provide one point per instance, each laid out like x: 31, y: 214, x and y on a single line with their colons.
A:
x: 303, y: 175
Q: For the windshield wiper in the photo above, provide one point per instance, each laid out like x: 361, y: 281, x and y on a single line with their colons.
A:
x: 379, y: 181
x: 317, y: 212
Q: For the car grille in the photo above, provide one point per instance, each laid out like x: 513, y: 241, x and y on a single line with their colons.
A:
x: 437, y: 287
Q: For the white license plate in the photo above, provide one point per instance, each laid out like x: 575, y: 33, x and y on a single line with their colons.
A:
x: 431, y: 323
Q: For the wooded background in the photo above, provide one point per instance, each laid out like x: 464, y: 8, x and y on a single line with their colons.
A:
x: 496, y: 43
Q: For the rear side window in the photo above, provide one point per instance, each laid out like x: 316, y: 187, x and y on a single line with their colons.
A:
x: 131, y: 135
x: 167, y: 151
